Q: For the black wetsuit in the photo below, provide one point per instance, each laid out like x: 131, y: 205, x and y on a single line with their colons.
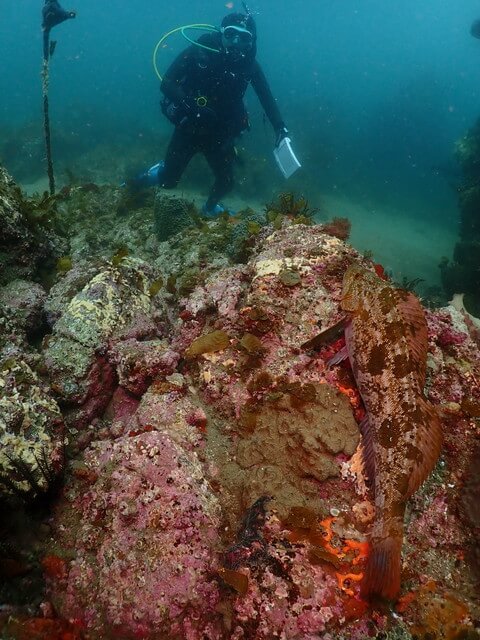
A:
x: 218, y: 83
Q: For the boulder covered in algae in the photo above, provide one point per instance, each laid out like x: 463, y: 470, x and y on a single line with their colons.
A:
x: 288, y: 426
x: 302, y: 433
x: 31, y: 432
x: 114, y: 305
x: 21, y: 317
x: 172, y: 215
x: 219, y: 497
x: 142, y: 524
x: 26, y: 245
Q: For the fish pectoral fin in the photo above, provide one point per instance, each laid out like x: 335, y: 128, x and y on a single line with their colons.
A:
x: 415, y: 331
x: 326, y: 336
x: 428, y: 442
x: 340, y: 356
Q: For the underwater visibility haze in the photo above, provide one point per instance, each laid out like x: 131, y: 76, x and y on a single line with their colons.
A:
x: 375, y: 95
x: 234, y: 405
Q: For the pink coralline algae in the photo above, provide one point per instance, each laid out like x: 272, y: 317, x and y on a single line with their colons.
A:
x: 437, y: 525
x: 137, y: 363
x: 445, y: 333
x: 142, y: 525
x: 222, y: 293
x: 148, y: 541
x: 288, y: 596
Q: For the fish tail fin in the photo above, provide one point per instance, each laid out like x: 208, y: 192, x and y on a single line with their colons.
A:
x: 382, y: 573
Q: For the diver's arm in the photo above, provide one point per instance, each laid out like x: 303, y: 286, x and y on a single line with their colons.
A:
x: 171, y: 85
x: 262, y: 89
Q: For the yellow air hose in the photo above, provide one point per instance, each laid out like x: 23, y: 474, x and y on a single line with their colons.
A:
x: 201, y: 27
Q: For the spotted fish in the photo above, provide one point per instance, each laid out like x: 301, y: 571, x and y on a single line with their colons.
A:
x: 386, y: 342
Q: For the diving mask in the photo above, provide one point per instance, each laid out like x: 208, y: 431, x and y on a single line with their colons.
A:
x: 236, y: 37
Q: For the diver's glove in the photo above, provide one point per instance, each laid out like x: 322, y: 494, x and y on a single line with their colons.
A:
x: 179, y: 112
x: 280, y: 134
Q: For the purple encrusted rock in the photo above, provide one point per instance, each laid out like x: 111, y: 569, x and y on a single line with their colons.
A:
x: 140, y: 522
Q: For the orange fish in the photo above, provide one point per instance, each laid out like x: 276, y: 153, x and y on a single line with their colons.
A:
x: 386, y: 342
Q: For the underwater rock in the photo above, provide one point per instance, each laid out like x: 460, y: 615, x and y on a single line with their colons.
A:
x: 21, y: 320
x: 171, y: 215
x: 71, y: 283
x: 141, y: 529
x: 296, y: 438
x: 147, y: 537
x: 219, y: 294
x: 25, y: 246
x: 138, y: 363
x: 25, y: 301
x: 242, y: 236
x: 169, y: 407
x: 297, y: 598
x: 254, y: 300
x: 115, y: 305
x: 89, y: 215
x: 31, y: 432
x: 12, y: 340
x: 273, y: 403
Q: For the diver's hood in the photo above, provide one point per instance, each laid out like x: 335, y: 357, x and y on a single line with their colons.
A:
x: 243, y: 21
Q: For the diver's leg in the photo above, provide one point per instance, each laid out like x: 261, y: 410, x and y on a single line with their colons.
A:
x: 181, y: 149
x: 220, y: 156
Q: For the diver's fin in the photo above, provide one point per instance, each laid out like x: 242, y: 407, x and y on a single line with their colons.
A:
x: 325, y: 337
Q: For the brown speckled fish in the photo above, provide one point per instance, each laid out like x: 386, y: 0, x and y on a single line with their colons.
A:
x: 386, y: 342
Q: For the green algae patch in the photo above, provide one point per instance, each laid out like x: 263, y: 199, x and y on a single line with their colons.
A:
x: 64, y: 264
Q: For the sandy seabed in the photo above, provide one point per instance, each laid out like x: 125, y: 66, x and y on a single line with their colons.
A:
x: 407, y: 244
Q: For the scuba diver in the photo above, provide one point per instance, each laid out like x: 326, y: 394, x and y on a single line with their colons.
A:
x: 203, y: 94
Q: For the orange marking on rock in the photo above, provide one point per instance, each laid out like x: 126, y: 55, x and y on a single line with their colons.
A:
x: 360, y: 548
x: 327, y: 535
x: 54, y: 567
x: 344, y: 581
x: 405, y: 601
x: 327, y: 525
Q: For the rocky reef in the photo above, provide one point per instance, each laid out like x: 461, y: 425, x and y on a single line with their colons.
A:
x: 210, y: 483
x: 27, y: 241
x: 461, y: 275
